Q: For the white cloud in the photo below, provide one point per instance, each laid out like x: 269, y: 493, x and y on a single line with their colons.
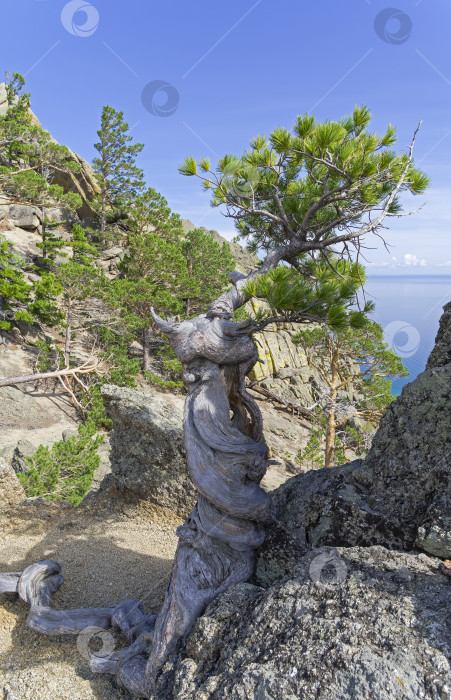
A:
x: 413, y: 261
x: 445, y: 264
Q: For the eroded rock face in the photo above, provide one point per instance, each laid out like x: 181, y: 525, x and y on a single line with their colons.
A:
x: 350, y: 623
x: 147, y: 448
x: 23, y: 449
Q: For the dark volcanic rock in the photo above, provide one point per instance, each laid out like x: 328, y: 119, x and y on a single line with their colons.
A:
x: 147, y: 449
x: 351, y: 623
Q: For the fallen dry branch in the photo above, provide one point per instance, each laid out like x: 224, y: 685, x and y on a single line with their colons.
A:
x: 65, y: 377
x: 293, y: 407
x: 88, y: 367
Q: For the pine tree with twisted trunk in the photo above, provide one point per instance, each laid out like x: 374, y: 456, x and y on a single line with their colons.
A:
x: 303, y: 197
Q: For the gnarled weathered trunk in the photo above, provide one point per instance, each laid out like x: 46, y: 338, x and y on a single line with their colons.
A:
x: 227, y: 460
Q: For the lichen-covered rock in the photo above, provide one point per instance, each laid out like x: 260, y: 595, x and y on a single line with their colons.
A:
x: 350, y: 623
x: 147, y: 448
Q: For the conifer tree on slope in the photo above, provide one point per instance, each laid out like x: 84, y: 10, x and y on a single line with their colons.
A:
x: 207, y: 261
x: 349, y: 360
x: 120, y: 180
x: 166, y: 268
x: 19, y: 299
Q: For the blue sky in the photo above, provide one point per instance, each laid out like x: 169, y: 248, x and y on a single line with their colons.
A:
x: 240, y: 68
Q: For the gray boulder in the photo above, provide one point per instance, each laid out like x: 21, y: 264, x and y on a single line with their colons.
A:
x: 350, y: 623
x: 62, y: 215
x: 23, y: 216
x: 111, y: 253
x: 147, y: 448
x: 68, y: 434
x: 18, y: 410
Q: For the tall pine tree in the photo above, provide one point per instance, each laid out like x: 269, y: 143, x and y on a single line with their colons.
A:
x: 153, y: 274
x: 120, y: 180
x: 207, y: 264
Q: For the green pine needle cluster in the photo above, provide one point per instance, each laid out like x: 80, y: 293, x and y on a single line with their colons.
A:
x: 323, y: 290
x: 312, y: 182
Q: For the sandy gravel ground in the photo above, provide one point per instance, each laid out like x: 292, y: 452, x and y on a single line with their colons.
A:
x: 108, y: 554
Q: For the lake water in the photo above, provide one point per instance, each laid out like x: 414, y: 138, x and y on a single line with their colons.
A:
x: 409, y: 309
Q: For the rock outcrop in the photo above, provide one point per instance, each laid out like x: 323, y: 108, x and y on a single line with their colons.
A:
x: 83, y: 183
x: 399, y: 496
x: 441, y: 352
x: 28, y: 218
x: 350, y: 623
x: 147, y: 448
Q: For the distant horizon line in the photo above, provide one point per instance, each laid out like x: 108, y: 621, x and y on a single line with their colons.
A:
x: 409, y: 274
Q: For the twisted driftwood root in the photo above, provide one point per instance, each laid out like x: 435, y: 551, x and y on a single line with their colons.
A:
x: 227, y: 460
x: 35, y: 586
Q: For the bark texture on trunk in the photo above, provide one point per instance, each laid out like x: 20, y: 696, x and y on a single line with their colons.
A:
x: 146, y: 350
x: 68, y: 334
x: 227, y: 460
x: 330, y: 434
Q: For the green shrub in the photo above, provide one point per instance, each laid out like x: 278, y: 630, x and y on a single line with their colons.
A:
x: 49, y: 358
x: 163, y: 383
x: 64, y: 471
